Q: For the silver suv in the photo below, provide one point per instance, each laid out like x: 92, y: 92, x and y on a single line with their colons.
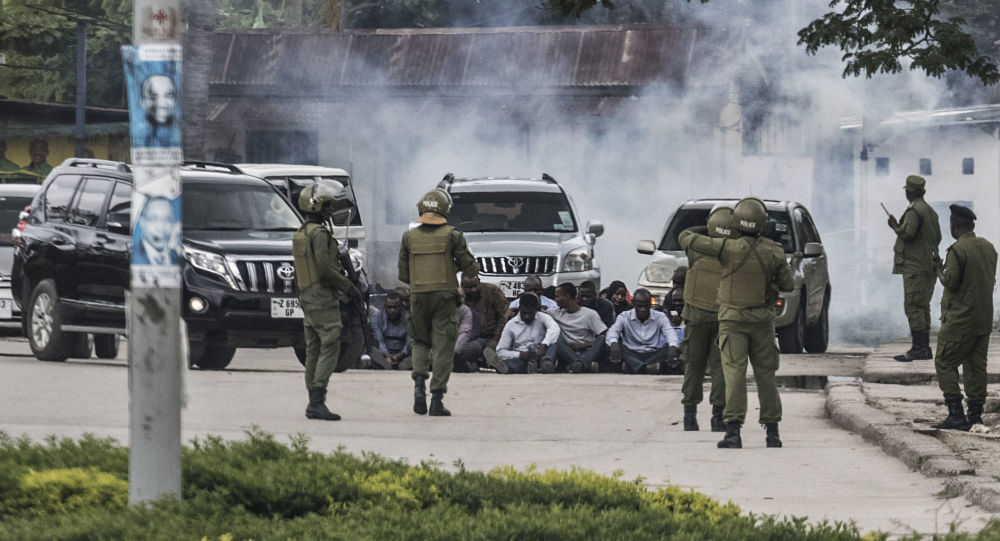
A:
x: 802, y: 314
x: 517, y: 227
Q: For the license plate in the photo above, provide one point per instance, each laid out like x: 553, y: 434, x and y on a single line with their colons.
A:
x: 6, y: 305
x: 511, y: 288
x: 285, y: 307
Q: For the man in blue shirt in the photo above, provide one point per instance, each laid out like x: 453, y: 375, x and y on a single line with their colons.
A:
x: 636, y: 336
x: 389, y: 330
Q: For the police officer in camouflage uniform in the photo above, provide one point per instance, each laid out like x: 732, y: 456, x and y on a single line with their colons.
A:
x: 753, y: 267
x: 430, y: 257
x: 915, y: 256
x: 701, y: 325
x: 320, y: 278
x: 968, y: 277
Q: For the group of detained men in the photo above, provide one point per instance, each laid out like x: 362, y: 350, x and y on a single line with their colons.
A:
x: 575, y: 330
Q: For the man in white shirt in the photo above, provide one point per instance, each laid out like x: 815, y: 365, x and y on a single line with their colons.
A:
x: 581, y: 345
x: 532, y: 284
x: 528, y: 342
x: 636, y: 336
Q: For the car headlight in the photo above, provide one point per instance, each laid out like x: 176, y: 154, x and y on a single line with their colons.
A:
x: 578, y: 260
x: 210, y: 262
x: 659, y: 273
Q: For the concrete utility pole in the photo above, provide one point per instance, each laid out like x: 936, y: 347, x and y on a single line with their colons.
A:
x: 81, y: 84
x: 152, y: 69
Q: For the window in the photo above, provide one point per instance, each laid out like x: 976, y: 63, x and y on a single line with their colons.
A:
x: 10, y: 210
x: 90, y: 202
x: 298, y: 147
x: 57, y: 197
x: 512, y: 211
x: 882, y: 166
x: 925, y: 166
x: 968, y: 166
x: 120, y: 207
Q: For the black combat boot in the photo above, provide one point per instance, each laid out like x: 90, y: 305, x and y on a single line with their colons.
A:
x: 772, y: 439
x: 717, y: 424
x: 975, y: 412
x: 732, y: 439
x: 690, y: 417
x: 419, y: 395
x: 914, y: 350
x: 437, y: 407
x: 923, y: 352
x: 317, y: 406
x: 956, y: 419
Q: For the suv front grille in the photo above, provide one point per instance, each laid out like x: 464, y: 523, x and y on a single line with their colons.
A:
x: 517, y: 265
x: 264, y: 276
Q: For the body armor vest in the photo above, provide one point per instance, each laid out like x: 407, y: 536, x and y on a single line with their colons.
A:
x: 306, y: 271
x: 701, y: 288
x: 432, y: 266
x: 745, y: 279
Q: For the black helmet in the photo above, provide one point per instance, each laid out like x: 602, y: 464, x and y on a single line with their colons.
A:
x: 750, y: 215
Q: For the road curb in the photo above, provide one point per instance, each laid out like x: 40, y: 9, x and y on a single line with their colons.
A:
x: 848, y: 407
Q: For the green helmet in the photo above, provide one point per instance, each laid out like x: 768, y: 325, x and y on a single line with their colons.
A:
x: 750, y: 215
x: 720, y: 221
x: 313, y: 197
x: 436, y: 201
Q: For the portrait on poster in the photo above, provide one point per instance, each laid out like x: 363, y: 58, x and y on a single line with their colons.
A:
x: 156, y: 235
x: 153, y: 81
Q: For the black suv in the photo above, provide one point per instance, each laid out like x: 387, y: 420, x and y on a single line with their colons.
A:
x: 71, y: 263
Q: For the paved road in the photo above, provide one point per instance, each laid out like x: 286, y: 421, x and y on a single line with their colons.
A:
x: 601, y: 422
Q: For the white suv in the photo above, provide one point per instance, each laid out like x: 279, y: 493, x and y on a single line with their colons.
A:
x: 518, y: 227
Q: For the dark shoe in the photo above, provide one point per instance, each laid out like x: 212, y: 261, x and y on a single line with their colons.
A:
x: 547, y: 366
x: 956, y: 419
x: 437, y: 406
x: 717, y: 424
x: 772, y: 438
x: 531, y: 367
x: 910, y: 354
x: 575, y: 368
x: 494, y: 361
x: 690, y: 418
x: 317, y: 406
x: 923, y: 351
x: 975, y: 412
x: 732, y: 439
x: 419, y: 395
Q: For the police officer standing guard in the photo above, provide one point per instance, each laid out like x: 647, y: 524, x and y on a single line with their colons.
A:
x: 701, y: 326
x: 753, y: 266
x: 915, y: 256
x: 430, y: 257
x: 968, y: 277
x: 319, y: 277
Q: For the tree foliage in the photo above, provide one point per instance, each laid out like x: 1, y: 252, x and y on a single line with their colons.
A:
x: 40, y: 48
x: 880, y: 36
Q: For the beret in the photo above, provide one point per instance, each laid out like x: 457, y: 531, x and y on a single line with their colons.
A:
x: 960, y: 212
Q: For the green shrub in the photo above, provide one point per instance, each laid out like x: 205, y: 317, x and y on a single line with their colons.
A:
x: 63, y: 490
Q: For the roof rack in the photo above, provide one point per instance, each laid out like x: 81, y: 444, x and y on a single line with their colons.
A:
x: 548, y: 178
x: 447, y: 181
x: 213, y: 166
x: 95, y: 163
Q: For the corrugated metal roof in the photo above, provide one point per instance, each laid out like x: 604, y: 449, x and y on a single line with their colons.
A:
x: 296, y: 64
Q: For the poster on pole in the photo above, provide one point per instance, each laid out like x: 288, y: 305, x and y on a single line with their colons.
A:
x: 156, y: 230
x: 153, y: 81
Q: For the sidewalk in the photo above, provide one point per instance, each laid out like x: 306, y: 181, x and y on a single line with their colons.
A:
x: 894, y: 406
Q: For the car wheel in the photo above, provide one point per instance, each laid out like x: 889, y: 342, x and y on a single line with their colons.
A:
x: 106, y: 346
x: 792, y: 337
x: 211, y: 356
x: 43, y: 321
x: 82, y: 347
x: 818, y: 334
x: 300, y: 354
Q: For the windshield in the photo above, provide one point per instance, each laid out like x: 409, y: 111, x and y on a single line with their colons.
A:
x: 512, y: 211
x: 779, y: 228
x: 10, y: 208
x: 224, y: 207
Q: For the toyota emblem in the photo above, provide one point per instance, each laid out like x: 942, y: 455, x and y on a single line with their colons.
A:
x: 286, y: 271
x: 515, y: 262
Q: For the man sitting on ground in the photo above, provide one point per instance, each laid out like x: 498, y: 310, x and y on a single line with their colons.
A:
x: 636, y: 336
x: 389, y: 330
x: 589, y: 299
x: 488, y: 300
x: 581, y: 345
x: 528, y: 342
x: 467, y: 347
x: 532, y: 284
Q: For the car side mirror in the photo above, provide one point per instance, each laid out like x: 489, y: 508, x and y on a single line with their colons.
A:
x: 646, y: 247
x: 595, y: 228
x: 812, y: 249
x: 118, y: 227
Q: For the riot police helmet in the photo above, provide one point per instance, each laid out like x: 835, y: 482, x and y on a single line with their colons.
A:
x: 720, y: 221
x: 434, y: 207
x: 313, y: 197
x: 750, y: 216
